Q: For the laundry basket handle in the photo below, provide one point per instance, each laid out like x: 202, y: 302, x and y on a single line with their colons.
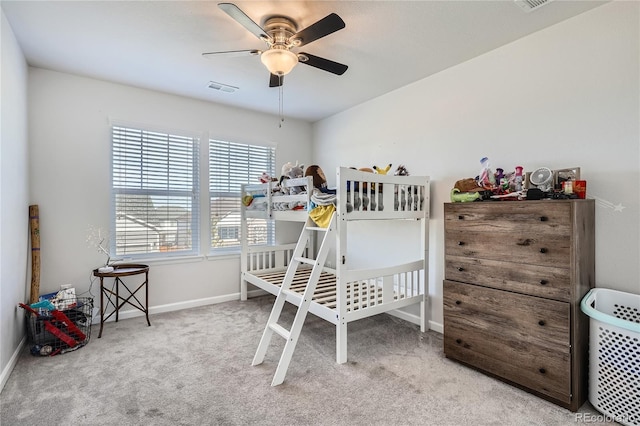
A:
x: 587, y: 308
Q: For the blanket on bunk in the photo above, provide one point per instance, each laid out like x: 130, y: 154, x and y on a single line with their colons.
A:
x: 323, y: 204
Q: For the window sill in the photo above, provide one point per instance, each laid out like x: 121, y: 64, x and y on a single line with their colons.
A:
x: 223, y: 256
x: 169, y: 260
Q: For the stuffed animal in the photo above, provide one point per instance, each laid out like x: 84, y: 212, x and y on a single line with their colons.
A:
x: 467, y: 185
x: 319, y: 179
x: 296, y: 172
x: 406, y: 198
x: 285, y: 174
x: 401, y: 171
x: 291, y: 171
x: 247, y: 199
x: 462, y: 197
x: 265, y: 177
x: 382, y: 171
x: 286, y: 168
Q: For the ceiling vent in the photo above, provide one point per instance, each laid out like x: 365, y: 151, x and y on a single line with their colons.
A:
x: 531, y: 5
x: 221, y: 87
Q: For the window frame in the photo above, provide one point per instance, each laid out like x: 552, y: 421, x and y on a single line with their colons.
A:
x: 262, y: 154
x: 154, y: 135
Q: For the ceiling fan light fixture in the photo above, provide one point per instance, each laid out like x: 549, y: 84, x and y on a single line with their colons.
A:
x: 279, y: 61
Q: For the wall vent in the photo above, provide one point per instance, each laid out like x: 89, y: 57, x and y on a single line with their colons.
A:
x: 221, y: 87
x: 531, y: 5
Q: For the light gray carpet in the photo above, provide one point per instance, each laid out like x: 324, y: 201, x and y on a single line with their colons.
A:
x: 193, y: 367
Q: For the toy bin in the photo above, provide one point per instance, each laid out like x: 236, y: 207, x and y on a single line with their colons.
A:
x: 57, y: 331
x: 614, y: 354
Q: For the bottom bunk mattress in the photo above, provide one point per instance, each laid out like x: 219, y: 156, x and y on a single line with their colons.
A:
x: 362, y: 295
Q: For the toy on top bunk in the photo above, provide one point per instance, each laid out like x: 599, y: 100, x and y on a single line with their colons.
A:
x: 380, y: 171
x: 323, y: 199
x: 403, y: 198
x: 368, y: 200
x: 249, y: 197
x: 265, y: 177
x: 291, y: 171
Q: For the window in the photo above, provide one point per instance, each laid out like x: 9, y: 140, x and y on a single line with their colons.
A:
x: 230, y: 165
x: 155, y: 201
x: 228, y: 232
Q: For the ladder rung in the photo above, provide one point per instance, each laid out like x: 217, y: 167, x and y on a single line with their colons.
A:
x: 280, y: 330
x: 305, y: 260
x: 317, y: 228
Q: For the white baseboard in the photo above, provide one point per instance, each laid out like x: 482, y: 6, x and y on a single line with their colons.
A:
x: 415, y: 319
x: 436, y: 326
x: 133, y: 313
x: 6, y: 372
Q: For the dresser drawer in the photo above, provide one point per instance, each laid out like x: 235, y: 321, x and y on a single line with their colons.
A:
x: 522, y: 339
x: 542, y: 281
x: 527, y: 218
x: 530, y: 248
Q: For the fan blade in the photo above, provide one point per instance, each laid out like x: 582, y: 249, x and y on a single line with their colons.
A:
x: 252, y: 52
x: 276, y: 80
x: 236, y: 13
x: 322, y: 63
x: 327, y: 25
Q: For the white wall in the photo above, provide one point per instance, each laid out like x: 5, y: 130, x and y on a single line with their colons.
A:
x: 70, y: 143
x: 14, y: 203
x: 566, y: 96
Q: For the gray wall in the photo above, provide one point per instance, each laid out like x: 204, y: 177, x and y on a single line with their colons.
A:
x: 14, y: 202
x: 563, y: 97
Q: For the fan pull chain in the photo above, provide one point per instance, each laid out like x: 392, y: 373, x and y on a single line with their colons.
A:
x: 281, y: 102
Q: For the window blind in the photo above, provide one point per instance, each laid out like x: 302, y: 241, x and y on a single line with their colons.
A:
x: 155, y: 201
x: 230, y: 165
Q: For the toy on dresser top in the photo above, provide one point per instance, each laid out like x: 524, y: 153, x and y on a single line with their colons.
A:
x: 489, y: 185
x: 543, y: 182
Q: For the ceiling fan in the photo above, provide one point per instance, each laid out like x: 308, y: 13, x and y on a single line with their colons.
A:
x: 281, y: 35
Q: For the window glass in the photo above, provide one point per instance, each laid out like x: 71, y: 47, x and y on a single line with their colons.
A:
x: 231, y: 165
x: 155, y: 200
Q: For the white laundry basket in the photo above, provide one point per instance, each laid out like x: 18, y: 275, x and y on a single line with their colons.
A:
x: 614, y: 353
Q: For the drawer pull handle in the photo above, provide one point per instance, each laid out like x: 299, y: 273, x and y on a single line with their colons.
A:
x: 458, y: 302
x: 541, y: 322
x: 460, y: 217
x: 543, y: 250
x: 458, y: 341
x: 542, y: 370
x: 543, y: 282
x: 543, y: 218
x: 460, y: 243
x: 460, y: 269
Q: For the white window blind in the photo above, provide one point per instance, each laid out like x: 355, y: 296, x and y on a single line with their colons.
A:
x: 230, y: 165
x: 155, y: 197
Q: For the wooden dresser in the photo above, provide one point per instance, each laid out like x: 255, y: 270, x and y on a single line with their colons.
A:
x: 515, y: 272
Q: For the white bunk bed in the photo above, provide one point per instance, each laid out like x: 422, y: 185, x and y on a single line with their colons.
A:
x: 269, y: 204
x: 379, y: 259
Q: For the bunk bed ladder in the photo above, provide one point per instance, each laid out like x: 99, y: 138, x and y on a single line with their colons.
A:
x: 291, y: 336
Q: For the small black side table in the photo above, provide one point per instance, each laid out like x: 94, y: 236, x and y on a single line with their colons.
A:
x: 120, y: 271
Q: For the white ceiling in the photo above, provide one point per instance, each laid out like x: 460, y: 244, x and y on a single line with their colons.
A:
x: 158, y: 45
